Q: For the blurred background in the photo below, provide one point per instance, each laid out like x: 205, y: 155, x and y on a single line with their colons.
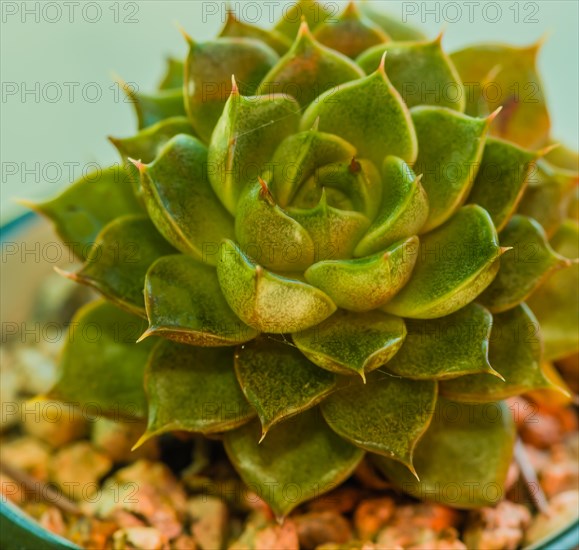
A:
x: 59, y: 60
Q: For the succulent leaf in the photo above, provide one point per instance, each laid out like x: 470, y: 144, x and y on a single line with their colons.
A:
x: 502, y: 177
x: 546, y: 196
x: 234, y: 27
x: 119, y: 260
x: 514, y: 352
x: 395, y: 414
x: 193, y: 389
x: 505, y: 76
x: 523, y: 269
x: 272, y: 237
x: 181, y: 201
x: 208, y: 71
x: 352, y: 343
x: 402, y: 212
x: 351, y: 33
x: 82, y: 210
x: 153, y: 108
x: 447, y: 347
x: 100, y: 364
x: 147, y: 143
x: 247, y: 134
x: 450, y: 148
x: 255, y: 295
x: 184, y: 303
x: 455, y: 263
x: 467, y: 450
x: 366, y: 283
x: 370, y: 114
x: 173, y: 77
x: 276, y: 466
x: 279, y: 381
x: 556, y: 302
x: 422, y: 72
x: 297, y: 158
x: 334, y: 232
x: 312, y: 11
x: 308, y: 69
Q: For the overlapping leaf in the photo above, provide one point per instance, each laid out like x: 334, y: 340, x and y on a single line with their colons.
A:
x: 444, y: 348
x: 82, y: 210
x: 387, y: 416
x: 523, y: 269
x: 455, y: 263
x: 255, y: 295
x: 101, y: 367
x: 207, y: 77
x: 422, y: 72
x: 299, y: 459
x: 193, y: 389
x: 370, y: 114
x: 352, y: 343
x: 514, y: 352
x: 463, y: 458
x: 181, y: 201
x: 279, y: 381
x: 118, y: 262
x: 184, y: 303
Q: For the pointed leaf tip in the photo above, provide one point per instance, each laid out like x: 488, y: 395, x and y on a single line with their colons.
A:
x: 184, y: 34
x: 546, y: 150
x: 234, y: 88
x: 137, y: 164
x: 67, y: 274
x: 493, y: 115
x: 146, y: 334
x: 382, y: 65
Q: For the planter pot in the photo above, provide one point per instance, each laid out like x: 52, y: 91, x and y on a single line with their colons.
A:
x: 25, y: 268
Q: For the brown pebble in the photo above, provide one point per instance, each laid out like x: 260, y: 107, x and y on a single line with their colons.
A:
x: 316, y: 528
x: 371, y: 515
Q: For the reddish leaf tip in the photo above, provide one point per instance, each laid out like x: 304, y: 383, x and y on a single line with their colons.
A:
x: 355, y: 166
x: 184, y: 34
x: 546, y: 150
x: 493, y: 115
x: 234, y: 88
x: 138, y: 164
x: 67, y: 274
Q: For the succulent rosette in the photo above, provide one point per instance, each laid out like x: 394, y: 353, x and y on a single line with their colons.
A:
x: 345, y: 249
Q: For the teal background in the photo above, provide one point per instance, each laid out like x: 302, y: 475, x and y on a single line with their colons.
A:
x: 47, y: 136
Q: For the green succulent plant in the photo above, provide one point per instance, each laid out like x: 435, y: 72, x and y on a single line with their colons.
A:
x: 342, y: 251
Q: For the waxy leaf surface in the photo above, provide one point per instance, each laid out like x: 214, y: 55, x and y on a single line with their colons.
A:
x: 387, y: 416
x: 234, y: 27
x: 299, y: 155
x: 447, y: 347
x: 208, y: 71
x: 370, y: 114
x: 147, y: 143
x: 181, y: 202
x: 422, y: 73
x: 366, y: 283
x: 247, y: 134
x: 184, y: 303
x: 524, y: 268
x: 467, y: 450
x: 556, y: 302
x: 193, y: 389
x: 266, y: 301
x: 334, y: 232
x: 450, y: 147
x: 455, y: 263
x: 352, y: 343
x: 299, y: 459
x: 514, y: 352
x: 497, y: 75
x: 118, y: 262
x: 272, y: 237
x: 351, y: 33
x: 82, y: 210
x: 101, y: 367
x: 501, y: 179
x: 279, y: 381
x: 402, y: 212
x: 308, y: 69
